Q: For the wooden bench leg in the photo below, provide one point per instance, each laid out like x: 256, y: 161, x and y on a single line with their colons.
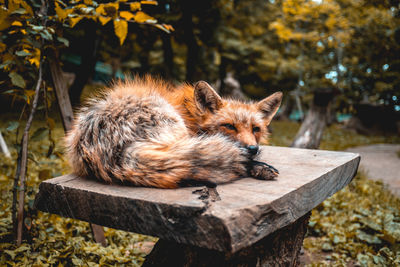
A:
x: 281, y: 248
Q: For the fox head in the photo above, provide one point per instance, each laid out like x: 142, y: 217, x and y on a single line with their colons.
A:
x: 246, y: 123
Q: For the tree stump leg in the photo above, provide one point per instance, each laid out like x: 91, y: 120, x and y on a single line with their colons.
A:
x: 281, y: 248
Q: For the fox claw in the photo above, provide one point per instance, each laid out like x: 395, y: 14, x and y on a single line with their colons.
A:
x: 262, y: 171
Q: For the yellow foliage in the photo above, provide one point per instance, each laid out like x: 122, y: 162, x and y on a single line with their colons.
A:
x: 135, y: 6
x: 27, y: 7
x: 62, y: 13
x: 4, y: 21
x: 111, y: 9
x: 149, y: 2
x: 121, y: 29
x: 104, y: 20
x: 142, y: 17
x: 74, y: 21
x: 29, y: 94
x: 16, y: 23
x: 35, y: 58
x: 13, y: 5
x: 2, y: 47
x: 283, y: 32
x: 126, y: 15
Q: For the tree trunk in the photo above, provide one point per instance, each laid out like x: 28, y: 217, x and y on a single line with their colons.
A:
x: 222, y: 76
x: 286, y: 109
x: 190, y: 38
x: 168, y: 55
x: 85, y: 71
x: 312, y: 128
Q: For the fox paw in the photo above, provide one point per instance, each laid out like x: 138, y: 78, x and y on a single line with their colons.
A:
x: 262, y: 171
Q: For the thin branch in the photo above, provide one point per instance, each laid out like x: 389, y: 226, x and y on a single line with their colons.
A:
x: 24, y: 156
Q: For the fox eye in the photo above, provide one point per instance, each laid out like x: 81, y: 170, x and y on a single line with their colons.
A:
x: 229, y: 126
x: 256, y: 129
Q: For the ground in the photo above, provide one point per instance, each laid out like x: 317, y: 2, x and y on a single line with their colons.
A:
x: 360, y: 225
x: 381, y: 162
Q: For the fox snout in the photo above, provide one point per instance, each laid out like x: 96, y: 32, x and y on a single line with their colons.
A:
x: 253, y: 150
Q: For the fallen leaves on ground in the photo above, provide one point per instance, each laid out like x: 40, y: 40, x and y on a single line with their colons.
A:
x: 358, y: 225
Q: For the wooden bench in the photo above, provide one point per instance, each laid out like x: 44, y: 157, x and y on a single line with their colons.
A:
x: 248, y: 222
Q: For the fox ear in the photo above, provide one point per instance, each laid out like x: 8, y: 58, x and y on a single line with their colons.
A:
x: 270, y: 105
x: 206, y: 98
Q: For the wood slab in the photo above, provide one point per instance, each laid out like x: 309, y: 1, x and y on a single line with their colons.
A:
x: 228, y: 218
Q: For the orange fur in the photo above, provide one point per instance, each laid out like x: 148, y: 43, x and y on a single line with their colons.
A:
x: 148, y: 132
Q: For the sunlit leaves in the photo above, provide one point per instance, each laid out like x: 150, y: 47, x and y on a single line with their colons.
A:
x: 126, y: 15
x: 135, y: 6
x: 104, y: 20
x: 62, y: 13
x: 106, y: 12
x: 142, y: 17
x: 74, y: 21
x: 121, y: 29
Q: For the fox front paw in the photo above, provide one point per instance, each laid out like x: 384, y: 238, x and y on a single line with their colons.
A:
x: 262, y: 171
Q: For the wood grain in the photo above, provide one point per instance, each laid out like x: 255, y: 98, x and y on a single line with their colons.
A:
x: 245, y: 211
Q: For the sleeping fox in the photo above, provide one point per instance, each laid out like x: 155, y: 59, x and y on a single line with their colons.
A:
x: 147, y: 132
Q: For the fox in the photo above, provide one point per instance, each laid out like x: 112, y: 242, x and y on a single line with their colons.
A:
x: 145, y: 131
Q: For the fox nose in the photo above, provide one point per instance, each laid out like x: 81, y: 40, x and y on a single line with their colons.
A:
x: 252, y: 150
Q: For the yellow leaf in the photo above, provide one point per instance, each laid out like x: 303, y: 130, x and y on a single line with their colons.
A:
x: 169, y: 27
x: 4, y: 21
x: 27, y: 7
x: 142, y: 17
x: 100, y: 10
x: 13, y: 5
x: 135, y: 6
x: 2, y: 47
x: 16, y: 23
x: 126, y: 15
x: 74, y: 21
x: 35, y: 59
x: 29, y: 94
x: 104, y: 20
x: 121, y: 29
x: 88, y: 2
x: 111, y: 9
x: 149, y: 2
x: 61, y: 13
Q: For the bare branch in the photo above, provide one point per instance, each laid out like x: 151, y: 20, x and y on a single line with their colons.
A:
x: 23, y: 155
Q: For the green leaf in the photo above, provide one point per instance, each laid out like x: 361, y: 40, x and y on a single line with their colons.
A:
x: 63, y: 40
x: 46, y: 35
x: 22, y: 53
x: 8, y: 92
x: 12, y: 125
x: 37, y: 28
x: 17, y: 80
x: 39, y: 134
x: 6, y: 63
x: 19, y: 11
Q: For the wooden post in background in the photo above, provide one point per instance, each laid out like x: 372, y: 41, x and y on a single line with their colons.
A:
x: 67, y: 115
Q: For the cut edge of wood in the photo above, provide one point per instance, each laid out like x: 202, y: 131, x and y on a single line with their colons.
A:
x: 288, y: 215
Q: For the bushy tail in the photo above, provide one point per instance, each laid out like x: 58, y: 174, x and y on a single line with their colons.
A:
x: 164, y: 161
x: 169, y: 163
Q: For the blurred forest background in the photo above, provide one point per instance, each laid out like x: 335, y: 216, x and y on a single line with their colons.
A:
x: 337, y: 62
